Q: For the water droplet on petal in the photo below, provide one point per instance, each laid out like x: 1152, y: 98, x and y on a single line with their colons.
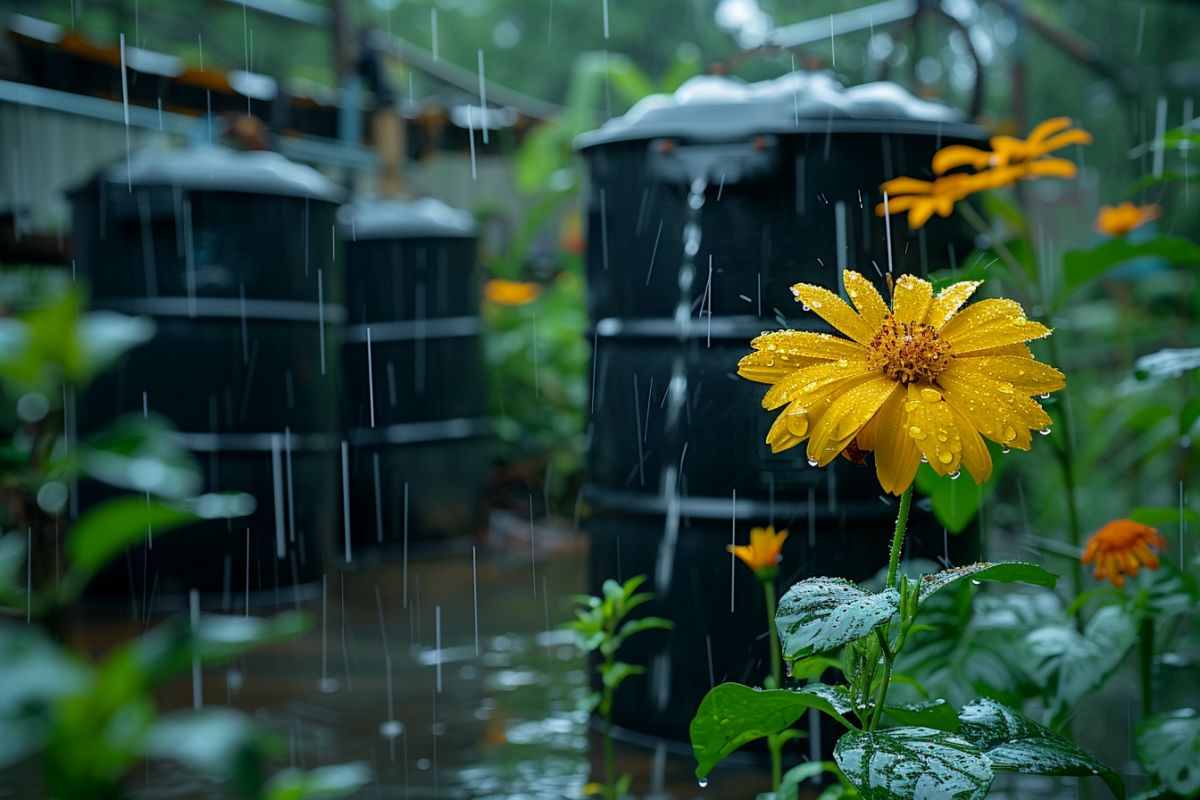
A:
x: 930, y: 395
x: 916, y: 433
x: 703, y: 782
x: 955, y: 475
x: 1044, y: 431
x: 812, y: 462
x: 945, y: 456
x: 1045, y: 396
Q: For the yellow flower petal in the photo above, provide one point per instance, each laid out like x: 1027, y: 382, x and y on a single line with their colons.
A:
x: 896, y: 453
x: 1026, y: 375
x: 990, y: 323
x: 865, y: 298
x: 807, y: 344
x: 789, y: 429
x: 975, y: 455
x: 809, y: 384
x: 993, y: 407
x: 764, y: 366
x: 931, y: 425
x: 904, y: 185
x: 1065, y: 139
x: 1048, y: 127
x: 910, y: 302
x: 1054, y: 167
x: 845, y: 417
x: 831, y: 308
x: 921, y: 212
x: 949, y: 300
x: 959, y: 155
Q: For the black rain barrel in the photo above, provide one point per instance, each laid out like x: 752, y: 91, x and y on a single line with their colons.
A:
x: 415, y: 383
x: 234, y: 256
x: 704, y: 207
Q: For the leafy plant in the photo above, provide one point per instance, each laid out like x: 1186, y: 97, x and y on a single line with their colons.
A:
x: 601, y: 626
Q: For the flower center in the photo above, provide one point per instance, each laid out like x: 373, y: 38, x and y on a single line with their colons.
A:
x: 908, y: 351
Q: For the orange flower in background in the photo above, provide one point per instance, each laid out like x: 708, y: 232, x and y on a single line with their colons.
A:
x: 1121, y: 219
x: 762, y: 554
x: 920, y: 379
x: 511, y: 293
x: 1011, y: 159
x: 1046, y: 137
x: 1121, y: 548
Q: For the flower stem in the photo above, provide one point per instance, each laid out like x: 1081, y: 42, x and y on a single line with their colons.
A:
x: 1146, y: 664
x: 774, y: 743
x: 888, y: 657
x: 898, y: 536
x: 1066, y: 460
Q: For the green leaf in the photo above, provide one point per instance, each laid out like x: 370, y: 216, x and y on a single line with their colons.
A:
x: 1015, y: 743
x: 12, y: 568
x: 956, y: 501
x: 142, y: 455
x: 789, y: 785
x: 819, y: 614
x: 103, y: 532
x: 35, y: 673
x: 1165, y: 365
x: 1081, y: 266
x: 913, y: 764
x: 1070, y: 664
x: 999, y: 572
x: 613, y: 675
x: 218, y: 742
x: 1163, y: 516
x: 836, y: 695
x: 731, y: 715
x: 322, y: 783
x: 1168, y: 746
x: 937, y: 714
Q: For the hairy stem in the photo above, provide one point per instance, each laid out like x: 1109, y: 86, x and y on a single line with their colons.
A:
x: 898, y: 536
x: 774, y: 743
x: 1146, y: 664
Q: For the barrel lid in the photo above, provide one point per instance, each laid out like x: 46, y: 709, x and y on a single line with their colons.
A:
x: 393, y: 218
x: 211, y: 168
x: 710, y: 107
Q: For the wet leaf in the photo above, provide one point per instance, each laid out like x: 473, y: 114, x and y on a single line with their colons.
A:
x: 1070, y: 664
x: 913, y: 764
x: 731, y: 715
x: 819, y: 614
x: 140, y: 454
x: 213, y: 741
x: 34, y: 673
x: 1081, y: 266
x: 322, y: 783
x: 1000, y: 572
x: 104, y: 531
x: 956, y: 502
x: 12, y: 568
x: 937, y: 714
x: 1168, y: 746
x: 1167, y: 364
x: 1015, y: 743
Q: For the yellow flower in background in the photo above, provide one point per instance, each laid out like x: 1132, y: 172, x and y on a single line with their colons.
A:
x: 1010, y: 159
x: 762, y: 554
x: 511, y: 293
x: 1121, y: 548
x: 919, y: 380
x: 1048, y: 136
x: 1121, y: 219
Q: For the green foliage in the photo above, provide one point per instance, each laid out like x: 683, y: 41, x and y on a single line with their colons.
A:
x: 1006, y: 572
x: 1082, y: 266
x: 819, y: 614
x: 956, y: 502
x: 1071, y: 664
x: 601, y: 626
x: 1168, y: 746
x: 913, y: 764
x: 1015, y: 743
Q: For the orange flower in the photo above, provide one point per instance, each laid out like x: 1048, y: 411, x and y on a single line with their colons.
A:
x: 762, y: 554
x: 1010, y: 159
x: 1120, y: 220
x: 1009, y: 150
x: 1121, y: 548
x: 511, y: 293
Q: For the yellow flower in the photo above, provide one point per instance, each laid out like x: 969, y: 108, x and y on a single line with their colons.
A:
x: 1048, y: 136
x: 1121, y: 548
x: 762, y: 554
x: 1120, y: 220
x: 918, y: 380
x: 1009, y: 160
x: 511, y: 293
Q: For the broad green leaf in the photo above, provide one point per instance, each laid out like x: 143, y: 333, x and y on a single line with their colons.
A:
x: 12, y: 567
x: 218, y: 742
x: 837, y: 696
x: 34, y: 674
x: 1156, y: 516
x: 1188, y: 416
x: 618, y: 672
x: 103, y: 532
x: 1167, y: 364
x: 1015, y: 743
x: 1070, y: 664
x: 913, y: 764
x: 819, y: 614
x: 956, y: 501
x: 322, y: 783
x: 140, y: 454
x: 731, y: 715
x: 1081, y: 266
x: 937, y: 714
x: 999, y: 572
x: 1168, y: 746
